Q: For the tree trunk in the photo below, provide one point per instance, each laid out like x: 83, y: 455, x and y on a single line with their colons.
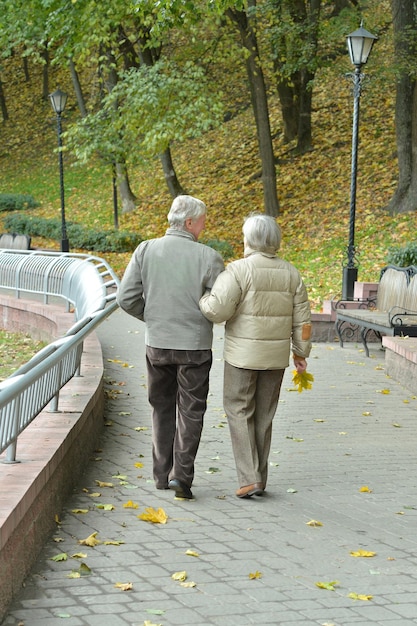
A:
x: 45, y: 73
x: 3, y: 103
x: 295, y: 91
x: 310, y: 37
x: 127, y: 196
x: 174, y: 186
x: 289, y: 109
x: 77, y: 88
x: 260, y: 106
x: 405, y: 197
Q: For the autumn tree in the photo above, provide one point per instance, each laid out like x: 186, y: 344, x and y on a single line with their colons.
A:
x: 404, y: 13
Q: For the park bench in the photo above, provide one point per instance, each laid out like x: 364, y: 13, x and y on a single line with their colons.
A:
x: 393, y: 312
x: 15, y: 241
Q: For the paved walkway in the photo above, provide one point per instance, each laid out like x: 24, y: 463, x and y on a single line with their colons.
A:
x: 343, y: 456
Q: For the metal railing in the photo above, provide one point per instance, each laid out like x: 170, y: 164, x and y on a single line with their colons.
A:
x: 88, y: 284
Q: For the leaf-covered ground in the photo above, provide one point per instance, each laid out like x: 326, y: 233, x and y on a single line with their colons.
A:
x: 222, y: 168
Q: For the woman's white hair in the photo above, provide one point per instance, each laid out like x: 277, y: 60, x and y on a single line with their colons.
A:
x: 262, y: 233
x: 184, y: 208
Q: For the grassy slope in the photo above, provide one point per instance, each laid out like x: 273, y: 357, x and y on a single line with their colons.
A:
x: 314, y: 189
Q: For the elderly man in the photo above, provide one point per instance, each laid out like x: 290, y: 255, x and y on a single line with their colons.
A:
x: 162, y: 286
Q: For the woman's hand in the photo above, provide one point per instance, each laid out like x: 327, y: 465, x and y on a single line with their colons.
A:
x: 300, y: 364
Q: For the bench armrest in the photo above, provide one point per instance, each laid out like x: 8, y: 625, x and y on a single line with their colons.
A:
x: 398, y: 316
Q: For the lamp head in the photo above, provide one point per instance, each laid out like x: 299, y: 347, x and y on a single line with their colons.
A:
x: 360, y: 44
x: 58, y: 101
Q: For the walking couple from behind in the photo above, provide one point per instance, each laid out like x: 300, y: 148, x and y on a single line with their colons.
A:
x: 179, y: 288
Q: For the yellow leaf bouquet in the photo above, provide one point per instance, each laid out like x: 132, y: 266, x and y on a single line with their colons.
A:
x: 303, y: 380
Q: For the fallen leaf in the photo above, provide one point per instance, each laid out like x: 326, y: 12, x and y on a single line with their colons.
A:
x: 314, y: 522
x: 188, y: 584
x: 191, y: 553
x: 155, y: 611
x: 105, y: 507
x: 79, y: 555
x: 83, y: 570
x: 255, y: 575
x: 364, y: 553
x: 79, y: 511
x: 59, y: 557
x: 365, y: 489
x: 113, y: 543
x: 156, y: 516
x: 90, y: 540
x: 101, y: 484
x: 130, y: 505
x: 330, y: 586
x: 181, y: 576
x: 124, y: 586
x: 358, y: 596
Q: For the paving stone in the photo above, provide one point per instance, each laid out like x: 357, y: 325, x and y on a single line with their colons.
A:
x: 345, y: 434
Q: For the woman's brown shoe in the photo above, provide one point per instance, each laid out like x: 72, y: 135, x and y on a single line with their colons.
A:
x: 248, y: 491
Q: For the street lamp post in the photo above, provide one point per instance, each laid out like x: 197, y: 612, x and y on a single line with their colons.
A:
x: 58, y: 101
x: 359, y: 44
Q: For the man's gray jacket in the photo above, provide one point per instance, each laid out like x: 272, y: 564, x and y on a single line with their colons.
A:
x: 162, y: 286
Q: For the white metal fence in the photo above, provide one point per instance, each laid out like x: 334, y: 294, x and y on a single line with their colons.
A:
x: 86, y: 283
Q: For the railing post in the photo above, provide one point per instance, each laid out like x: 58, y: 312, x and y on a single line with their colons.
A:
x: 11, y: 450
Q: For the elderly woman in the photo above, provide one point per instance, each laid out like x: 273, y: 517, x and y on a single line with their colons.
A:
x: 264, y: 303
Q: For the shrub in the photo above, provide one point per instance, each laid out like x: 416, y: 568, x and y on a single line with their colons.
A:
x: 16, y: 202
x: 404, y: 256
x: 223, y: 247
x: 79, y: 236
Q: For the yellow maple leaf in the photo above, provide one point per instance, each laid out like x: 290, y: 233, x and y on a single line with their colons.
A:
x: 365, y: 489
x: 130, y: 505
x: 181, y: 576
x: 90, y: 541
x: 79, y: 511
x: 302, y: 380
x: 101, y: 484
x: 156, y: 516
x: 255, y: 575
x: 138, y: 464
x: 363, y: 553
x: 314, y: 522
x: 188, y: 584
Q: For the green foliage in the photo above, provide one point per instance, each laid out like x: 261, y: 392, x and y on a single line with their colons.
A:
x: 79, y: 236
x: 403, y: 256
x: 223, y: 247
x: 16, y: 202
x: 149, y: 108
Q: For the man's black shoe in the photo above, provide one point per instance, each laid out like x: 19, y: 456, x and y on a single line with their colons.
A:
x: 182, y: 491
